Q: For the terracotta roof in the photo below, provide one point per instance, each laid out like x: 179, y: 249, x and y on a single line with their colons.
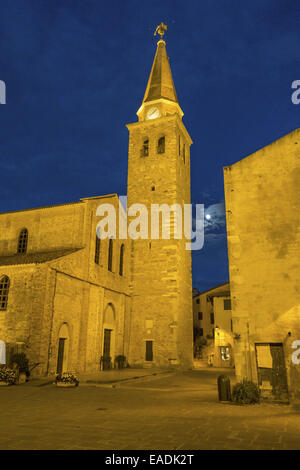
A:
x: 82, y: 200
x: 227, y: 284
x: 35, y: 258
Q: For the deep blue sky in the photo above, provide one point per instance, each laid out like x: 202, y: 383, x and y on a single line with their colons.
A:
x: 76, y: 72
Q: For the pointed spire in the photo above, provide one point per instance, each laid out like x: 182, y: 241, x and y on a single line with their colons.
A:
x: 160, y: 83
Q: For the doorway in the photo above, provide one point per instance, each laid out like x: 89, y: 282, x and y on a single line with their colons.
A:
x: 106, y: 345
x: 63, y: 349
x: 106, y: 358
x: 60, y: 355
x: 149, y: 351
x: 108, y: 338
x: 271, y: 371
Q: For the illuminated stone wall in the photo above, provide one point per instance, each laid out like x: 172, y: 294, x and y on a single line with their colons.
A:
x: 161, y: 276
x: 69, y: 289
x: 262, y: 195
x: 203, y: 302
x: 223, y: 333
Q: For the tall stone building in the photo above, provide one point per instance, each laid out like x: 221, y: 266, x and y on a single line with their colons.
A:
x: 71, y: 301
x: 262, y: 194
x: 159, y: 173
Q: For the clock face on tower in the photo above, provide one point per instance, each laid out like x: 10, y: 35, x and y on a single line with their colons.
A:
x: 152, y: 113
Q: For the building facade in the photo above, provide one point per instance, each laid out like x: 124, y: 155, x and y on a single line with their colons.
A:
x: 262, y: 194
x: 213, y: 328
x: 63, y: 290
x: 72, y: 301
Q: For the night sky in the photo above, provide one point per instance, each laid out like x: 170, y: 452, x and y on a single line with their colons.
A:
x: 76, y: 72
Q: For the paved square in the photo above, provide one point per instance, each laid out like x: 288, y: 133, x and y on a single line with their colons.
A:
x: 166, y: 411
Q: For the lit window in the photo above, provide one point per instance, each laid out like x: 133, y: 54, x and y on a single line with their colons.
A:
x: 225, y: 353
x: 4, y: 290
x: 22, y: 242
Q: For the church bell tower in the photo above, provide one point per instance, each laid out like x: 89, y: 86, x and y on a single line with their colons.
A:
x: 161, y: 326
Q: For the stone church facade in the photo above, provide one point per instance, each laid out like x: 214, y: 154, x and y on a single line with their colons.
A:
x: 58, y: 290
x: 68, y: 299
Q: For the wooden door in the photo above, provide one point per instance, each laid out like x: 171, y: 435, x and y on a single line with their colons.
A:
x: 60, y: 356
x: 279, y: 379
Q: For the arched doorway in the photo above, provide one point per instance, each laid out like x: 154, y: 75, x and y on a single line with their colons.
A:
x: 108, y: 346
x: 63, y: 349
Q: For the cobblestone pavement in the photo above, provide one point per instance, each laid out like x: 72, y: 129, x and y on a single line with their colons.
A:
x: 170, y: 411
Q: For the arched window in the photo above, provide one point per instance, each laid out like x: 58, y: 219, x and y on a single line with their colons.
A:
x: 121, y: 270
x: 161, y: 145
x: 22, y: 242
x: 145, y: 148
x: 110, y: 254
x: 4, y: 290
x: 97, y: 247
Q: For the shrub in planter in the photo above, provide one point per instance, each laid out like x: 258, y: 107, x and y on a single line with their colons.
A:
x: 8, y: 375
x: 22, y: 362
x: 246, y: 393
x: 120, y: 361
x: 67, y: 378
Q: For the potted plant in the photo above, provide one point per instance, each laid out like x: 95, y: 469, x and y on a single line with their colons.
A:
x: 22, y: 364
x: 245, y: 393
x: 105, y: 363
x: 7, y: 376
x: 120, y: 361
x: 67, y: 380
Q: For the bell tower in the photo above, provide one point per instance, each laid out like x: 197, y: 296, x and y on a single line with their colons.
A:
x: 161, y: 329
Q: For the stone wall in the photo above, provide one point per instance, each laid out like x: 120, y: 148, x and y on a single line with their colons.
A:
x: 22, y: 321
x: 262, y: 195
x: 161, y: 269
x: 71, y: 290
x: 49, y: 228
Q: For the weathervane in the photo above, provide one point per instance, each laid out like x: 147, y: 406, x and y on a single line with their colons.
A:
x: 161, y: 30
